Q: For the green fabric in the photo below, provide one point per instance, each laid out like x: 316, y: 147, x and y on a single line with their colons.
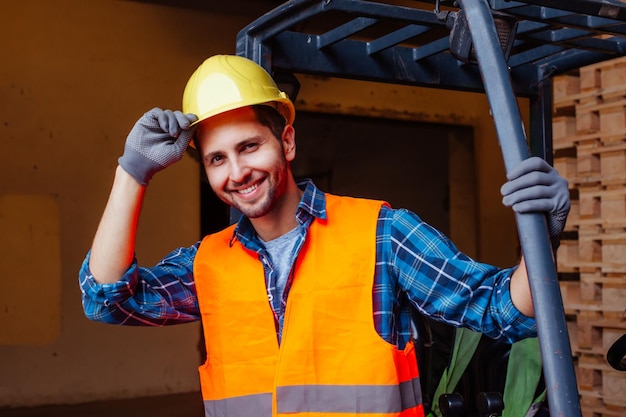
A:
x: 522, y: 377
x: 523, y: 373
x: 465, y: 343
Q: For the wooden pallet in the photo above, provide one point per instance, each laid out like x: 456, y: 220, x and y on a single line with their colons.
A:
x: 589, y: 137
x: 596, y: 296
x: 600, y: 83
x: 590, y: 338
x: 593, y: 252
x: 600, y: 410
x: 608, y: 118
x: 564, y: 131
x: 593, y: 162
x: 565, y: 89
x: 605, y: 79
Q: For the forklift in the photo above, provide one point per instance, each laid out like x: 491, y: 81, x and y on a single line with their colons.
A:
x: 453, y: 45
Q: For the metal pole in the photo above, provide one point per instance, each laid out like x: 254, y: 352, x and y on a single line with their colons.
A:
x: 551, y: 325
x: 540, y: 135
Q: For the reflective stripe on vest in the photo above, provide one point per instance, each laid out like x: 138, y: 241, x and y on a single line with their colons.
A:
x: 322, y: 399
x: 378, y: 399
x: 332, y: 362
x: 240, y: 406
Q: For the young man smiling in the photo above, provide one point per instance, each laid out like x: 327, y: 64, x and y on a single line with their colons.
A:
x: 248, y: 167
x: 305, y: 302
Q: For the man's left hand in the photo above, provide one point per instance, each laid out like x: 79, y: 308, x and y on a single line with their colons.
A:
x: 535, y: 186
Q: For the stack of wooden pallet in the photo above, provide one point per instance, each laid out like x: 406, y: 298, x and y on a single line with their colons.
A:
x: 589, y: 132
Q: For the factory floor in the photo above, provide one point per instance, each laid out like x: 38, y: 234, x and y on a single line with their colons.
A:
x: 179, y: 405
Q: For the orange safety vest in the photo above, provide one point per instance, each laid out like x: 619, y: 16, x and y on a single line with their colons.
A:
x: 331, y: 361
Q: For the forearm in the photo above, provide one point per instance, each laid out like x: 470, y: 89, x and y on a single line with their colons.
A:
x: 520, y: 290
x: 114, y: 244
x: 157, y: 296
x: 448, y: 285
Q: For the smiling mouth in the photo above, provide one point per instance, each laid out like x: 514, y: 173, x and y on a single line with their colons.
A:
x: 248, y: 190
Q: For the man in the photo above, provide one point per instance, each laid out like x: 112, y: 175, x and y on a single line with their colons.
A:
x: 305, y: 302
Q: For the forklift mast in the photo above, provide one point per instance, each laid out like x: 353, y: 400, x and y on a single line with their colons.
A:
x: 453, y: 45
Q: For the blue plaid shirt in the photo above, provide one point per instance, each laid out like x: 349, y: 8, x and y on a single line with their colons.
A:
x: 416, y: 267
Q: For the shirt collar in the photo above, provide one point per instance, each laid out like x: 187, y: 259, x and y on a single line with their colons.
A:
x: 312, y: 205
x: 313, y: 200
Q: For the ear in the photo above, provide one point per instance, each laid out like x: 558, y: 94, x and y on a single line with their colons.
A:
x: 289, y: 142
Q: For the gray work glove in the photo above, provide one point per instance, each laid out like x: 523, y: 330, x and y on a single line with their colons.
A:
x: 158, y: 140
x: 535, y: 186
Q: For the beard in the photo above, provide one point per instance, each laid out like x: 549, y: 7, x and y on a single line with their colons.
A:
x: 276, y: 183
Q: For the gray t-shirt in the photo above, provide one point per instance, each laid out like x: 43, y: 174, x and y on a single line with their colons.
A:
x: 282, y: 253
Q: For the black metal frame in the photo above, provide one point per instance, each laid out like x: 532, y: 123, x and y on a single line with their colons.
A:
x: 385, y: 42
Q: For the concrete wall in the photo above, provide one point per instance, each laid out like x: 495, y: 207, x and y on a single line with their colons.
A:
x: 74, y: 76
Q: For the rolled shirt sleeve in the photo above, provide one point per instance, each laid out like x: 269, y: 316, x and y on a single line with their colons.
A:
x: 447, y: 285
x: 161, y: 295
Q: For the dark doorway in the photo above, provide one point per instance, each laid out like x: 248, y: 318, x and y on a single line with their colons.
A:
x: 425, y: 167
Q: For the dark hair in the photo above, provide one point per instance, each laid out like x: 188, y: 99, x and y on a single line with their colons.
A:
x: 269, y: 117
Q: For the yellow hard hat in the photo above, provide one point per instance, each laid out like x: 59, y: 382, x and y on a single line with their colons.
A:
x: 228, y: 82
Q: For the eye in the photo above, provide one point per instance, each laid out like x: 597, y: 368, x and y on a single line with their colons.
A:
x: 214, y: 160
x: 250, y: 146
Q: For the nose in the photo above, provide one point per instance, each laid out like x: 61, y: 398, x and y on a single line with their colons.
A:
x: 239, y: 171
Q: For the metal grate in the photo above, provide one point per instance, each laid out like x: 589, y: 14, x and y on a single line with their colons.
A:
x: 387, y: 42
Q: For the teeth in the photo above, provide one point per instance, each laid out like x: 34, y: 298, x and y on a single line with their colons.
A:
x: 249, y: 189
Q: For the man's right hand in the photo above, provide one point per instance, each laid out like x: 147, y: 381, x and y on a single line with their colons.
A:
x: 158, y: 140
